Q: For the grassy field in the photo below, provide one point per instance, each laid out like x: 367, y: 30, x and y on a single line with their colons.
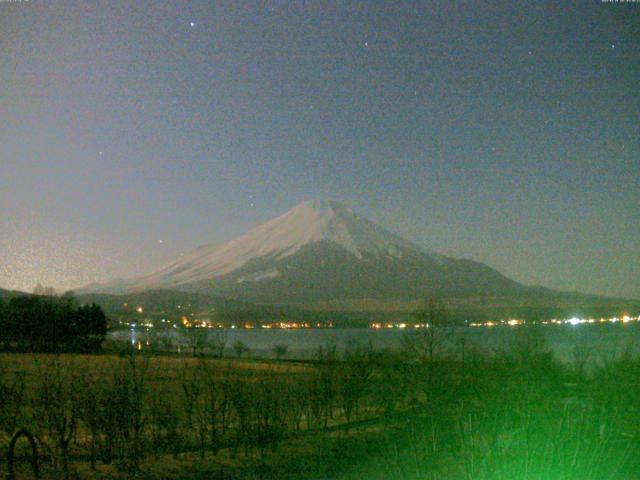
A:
x: 514, y: 414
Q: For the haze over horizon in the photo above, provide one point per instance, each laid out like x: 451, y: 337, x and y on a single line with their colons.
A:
x: 504, y: 133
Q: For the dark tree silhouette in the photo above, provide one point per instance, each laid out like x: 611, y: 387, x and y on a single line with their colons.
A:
x: 51, y: 324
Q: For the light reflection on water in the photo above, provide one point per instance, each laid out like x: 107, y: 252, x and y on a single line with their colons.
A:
x: 602, y: 341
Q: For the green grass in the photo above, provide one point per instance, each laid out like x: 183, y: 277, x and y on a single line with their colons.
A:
x: 517, y: 414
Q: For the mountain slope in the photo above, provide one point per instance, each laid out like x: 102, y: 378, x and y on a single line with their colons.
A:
x: 323, y: 271
x: 321, y: 251
x: 308, y: 223
x: 174, y: 304
x: 6, y: 295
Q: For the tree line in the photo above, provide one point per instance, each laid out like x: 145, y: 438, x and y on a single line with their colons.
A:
x: 39, y: 323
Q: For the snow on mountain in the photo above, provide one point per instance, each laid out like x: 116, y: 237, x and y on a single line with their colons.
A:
x: 309, y: 222
x: 321, y: 254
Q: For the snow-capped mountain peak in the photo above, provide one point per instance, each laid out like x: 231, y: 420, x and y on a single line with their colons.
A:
x: 309, y: 222
x: 320, y: 251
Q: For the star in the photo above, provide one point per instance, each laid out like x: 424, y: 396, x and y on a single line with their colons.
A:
x: 366, y: 44
x: 192, y: 24
x: 161, y: 241
x: 613, y: 45
x: 100, y: 153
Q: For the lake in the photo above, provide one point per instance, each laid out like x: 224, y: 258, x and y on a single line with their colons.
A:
x: 601, y: 340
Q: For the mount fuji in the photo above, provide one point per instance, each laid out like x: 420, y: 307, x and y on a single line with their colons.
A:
x: 321, y: 251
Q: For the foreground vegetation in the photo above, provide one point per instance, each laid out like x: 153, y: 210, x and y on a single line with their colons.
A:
x: 49, y: 323
x: 416, y: 414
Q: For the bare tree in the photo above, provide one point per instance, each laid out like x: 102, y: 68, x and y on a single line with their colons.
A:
x: 196, y: 339
x: 44, y: 291
x: 240, y: 348
x: 218, y: 339
x: 322, y: 388
x: 428, y: 340
x: 164, y: 419
x: 195, y: 402
x: 353, y: 379
x: 280, y: 350
x: 12, y: 389
x: 128, y: 391
x: 56, y: 408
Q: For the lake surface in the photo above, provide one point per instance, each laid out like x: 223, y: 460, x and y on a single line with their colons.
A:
x: 601, y: 340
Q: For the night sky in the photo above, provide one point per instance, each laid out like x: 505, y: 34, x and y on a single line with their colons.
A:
x: 507, y: 132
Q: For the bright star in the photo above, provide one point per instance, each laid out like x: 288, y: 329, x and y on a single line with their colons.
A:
x: 192, y: 24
